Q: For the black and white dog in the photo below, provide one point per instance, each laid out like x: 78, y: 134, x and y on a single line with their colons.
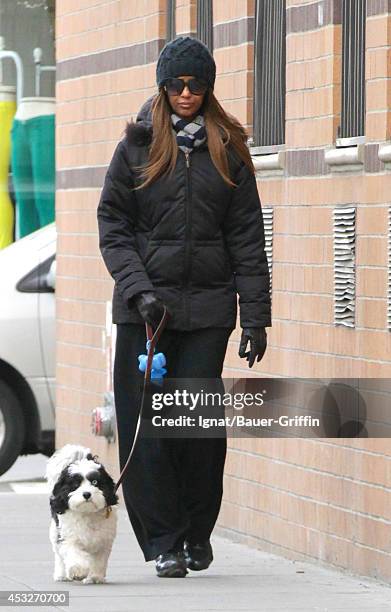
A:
x: 84, y: 518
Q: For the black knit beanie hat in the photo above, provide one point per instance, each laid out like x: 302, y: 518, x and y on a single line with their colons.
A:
x: 186, y: 55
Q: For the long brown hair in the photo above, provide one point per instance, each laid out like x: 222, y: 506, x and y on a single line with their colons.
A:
x: 221, y: 128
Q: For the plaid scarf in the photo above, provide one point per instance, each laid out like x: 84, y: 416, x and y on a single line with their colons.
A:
x: 189, y: 134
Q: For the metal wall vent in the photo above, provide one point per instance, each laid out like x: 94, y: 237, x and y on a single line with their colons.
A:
x: 268, y: 229
x: 344, y: 266
x: 389, y: 271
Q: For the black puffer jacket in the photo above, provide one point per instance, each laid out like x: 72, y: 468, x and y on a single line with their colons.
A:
x: 192, y: 238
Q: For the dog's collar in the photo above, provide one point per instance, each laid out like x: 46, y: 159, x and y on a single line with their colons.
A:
x: 108, y: 511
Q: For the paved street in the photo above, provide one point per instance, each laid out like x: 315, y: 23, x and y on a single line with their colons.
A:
x: 240, y: 578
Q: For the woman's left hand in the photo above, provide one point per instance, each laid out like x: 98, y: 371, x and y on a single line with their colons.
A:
x: 258, y: 343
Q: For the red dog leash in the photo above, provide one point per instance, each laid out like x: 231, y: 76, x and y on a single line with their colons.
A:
x: 153, y: 338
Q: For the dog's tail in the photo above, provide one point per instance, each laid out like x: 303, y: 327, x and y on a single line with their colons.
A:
x: 61, y: 458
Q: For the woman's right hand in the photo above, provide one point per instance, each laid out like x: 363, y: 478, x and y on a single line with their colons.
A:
x: 150, y: 307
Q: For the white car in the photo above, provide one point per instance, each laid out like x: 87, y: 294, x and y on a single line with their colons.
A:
x: 27, y: 346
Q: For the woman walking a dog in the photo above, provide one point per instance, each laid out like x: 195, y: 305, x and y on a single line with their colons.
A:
x: 180, y: 226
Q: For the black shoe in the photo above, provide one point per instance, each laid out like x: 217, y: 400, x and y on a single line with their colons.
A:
x: 198, y: 556
x: 171, y: 564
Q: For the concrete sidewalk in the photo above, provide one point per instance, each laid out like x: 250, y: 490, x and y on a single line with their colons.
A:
x: 239, y: 579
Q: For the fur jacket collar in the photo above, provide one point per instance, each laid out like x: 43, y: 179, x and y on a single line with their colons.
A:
x: 139, y: 132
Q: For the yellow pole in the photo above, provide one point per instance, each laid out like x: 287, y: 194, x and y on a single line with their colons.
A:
x: 7, y: 112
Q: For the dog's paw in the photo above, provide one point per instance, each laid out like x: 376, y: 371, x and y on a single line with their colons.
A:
x: 77, y: 572
x: 94, y: 580
x: 60, y: 578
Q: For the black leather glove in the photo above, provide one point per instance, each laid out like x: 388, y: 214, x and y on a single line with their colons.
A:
x: 150, y: 307
x: 258, y: 343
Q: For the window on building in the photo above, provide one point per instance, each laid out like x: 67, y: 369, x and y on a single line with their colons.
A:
x: 353, y: 70
x: 269, y: 73
x: 171, y: 30
x: 205, y: 22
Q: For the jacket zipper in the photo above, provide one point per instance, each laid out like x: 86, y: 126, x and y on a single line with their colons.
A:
x: 186, y: 274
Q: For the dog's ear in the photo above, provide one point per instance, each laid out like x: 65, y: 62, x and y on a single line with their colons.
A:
x: 59, y: 501
x: 58, y: 504
x: 60, y: 494
x: 92, y: 457
x: 107, y: 486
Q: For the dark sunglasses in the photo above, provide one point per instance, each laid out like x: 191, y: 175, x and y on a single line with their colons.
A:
x: 174, y: 87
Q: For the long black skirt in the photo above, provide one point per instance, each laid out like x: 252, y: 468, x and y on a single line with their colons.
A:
x: 173, y: 486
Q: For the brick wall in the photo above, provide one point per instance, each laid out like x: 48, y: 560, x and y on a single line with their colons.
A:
x: 323, y: 500
x: 106, y: 53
